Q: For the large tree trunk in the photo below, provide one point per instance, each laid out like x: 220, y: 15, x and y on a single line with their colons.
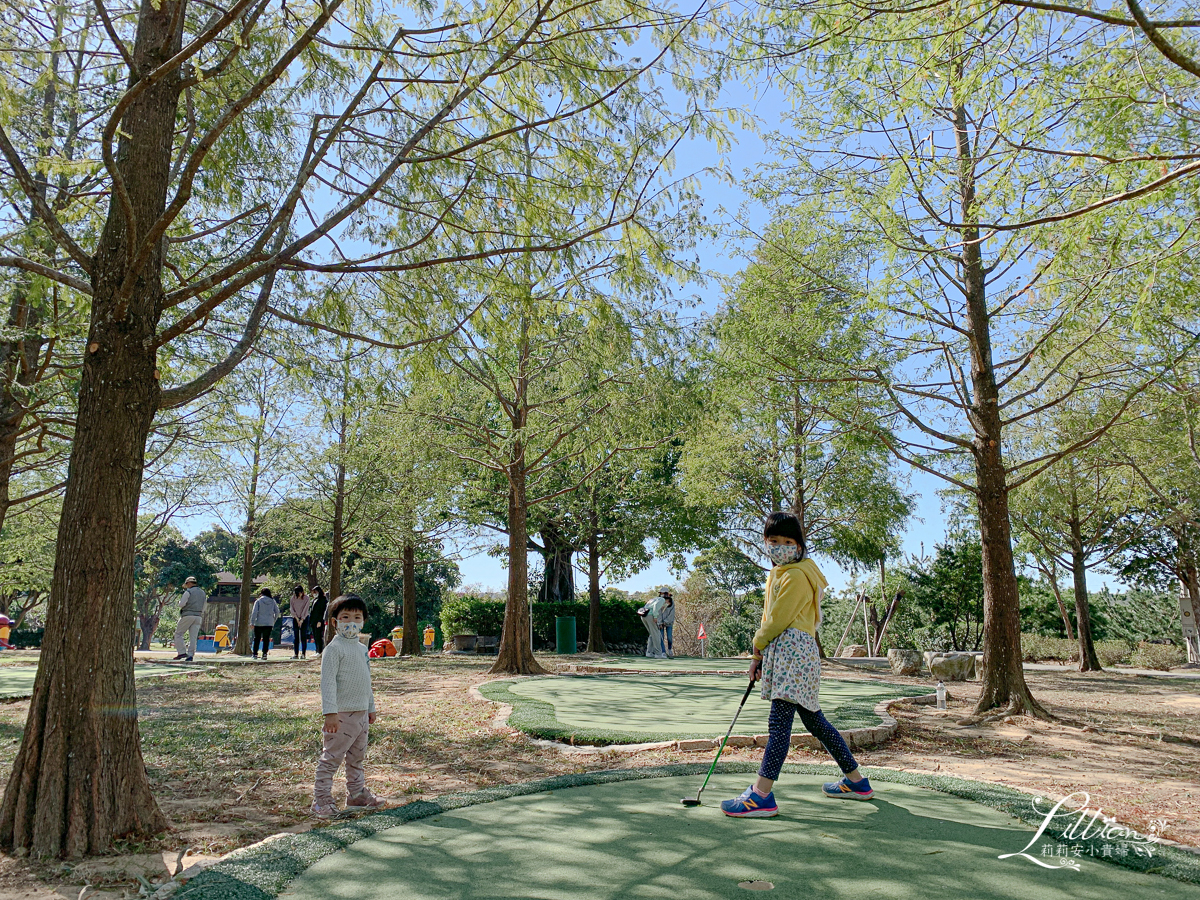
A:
x: 595, y: 642
x: 1189, y: 598
x: 516, y: 652
x: 79, y: 780
x: 241, y: 645
x: 1088, y: 661
x: 339, y: 539
x: 148, y: 625
x: 411, y: 642
x: 558, y: 581
x: 1003, y: 676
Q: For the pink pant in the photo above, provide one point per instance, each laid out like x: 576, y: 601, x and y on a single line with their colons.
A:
x: 349, y: 743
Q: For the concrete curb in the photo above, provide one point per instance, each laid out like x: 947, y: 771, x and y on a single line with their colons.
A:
x: 859, y: 738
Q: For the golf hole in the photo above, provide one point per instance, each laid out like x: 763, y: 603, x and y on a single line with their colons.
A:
x: 756, y: 885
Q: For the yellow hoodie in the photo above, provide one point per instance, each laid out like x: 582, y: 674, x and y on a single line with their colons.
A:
x: 793, y: 601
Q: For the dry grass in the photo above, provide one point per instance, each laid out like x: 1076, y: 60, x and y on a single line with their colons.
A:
x: 231, y: 752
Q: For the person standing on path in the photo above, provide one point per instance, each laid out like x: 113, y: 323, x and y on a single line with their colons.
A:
x: 191, y: 614
x: 263, y: 617
x: 349, y: 707
x: 316, y: 618
x: 298, y: 607
x: 666, y: 621
x: 786, y: 656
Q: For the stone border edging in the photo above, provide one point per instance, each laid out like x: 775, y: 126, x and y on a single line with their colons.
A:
x: 859, y: 738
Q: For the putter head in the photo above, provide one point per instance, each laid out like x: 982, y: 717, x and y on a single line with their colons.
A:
x: 690, y: 801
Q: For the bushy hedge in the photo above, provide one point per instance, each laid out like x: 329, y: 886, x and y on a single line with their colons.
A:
x: 476, y: 615
x: 1040, y: 648
x: 26, y: 640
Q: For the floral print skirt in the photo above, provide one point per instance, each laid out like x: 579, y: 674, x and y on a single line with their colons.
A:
x: 791, y: 669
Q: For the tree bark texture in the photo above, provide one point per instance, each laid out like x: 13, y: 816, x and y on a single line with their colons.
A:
x: 558, y: 581
x: 595, y: 642
x: 410, y: 644
x: 241, y: 645
x: 516, y: 651
x: 1003, y: 679
x: 1088, y: 660
x: 79, y: 780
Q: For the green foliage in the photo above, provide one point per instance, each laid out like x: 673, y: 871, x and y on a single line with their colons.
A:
x: 785, y: 424
x: 949, y: 589
x: 1157, y: 656
x: 1042, y: 648
x: 477, y: 615
x: 733, y: 633
x: 1137, y: 615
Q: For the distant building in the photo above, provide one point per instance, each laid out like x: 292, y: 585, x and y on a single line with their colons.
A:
x: 223, y: 602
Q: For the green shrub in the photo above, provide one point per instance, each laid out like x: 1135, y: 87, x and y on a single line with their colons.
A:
x: 26, y: 640
x: 1157, y: 656
x: 472, y: 615
x: 1041, y: 648
x: 732, y: 635
x: 619, y: 620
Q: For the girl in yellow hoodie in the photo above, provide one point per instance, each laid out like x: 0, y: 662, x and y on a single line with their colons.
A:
x: 789, y: 663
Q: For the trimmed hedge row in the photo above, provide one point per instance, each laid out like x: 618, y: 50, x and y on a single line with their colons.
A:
x: 476, y: 615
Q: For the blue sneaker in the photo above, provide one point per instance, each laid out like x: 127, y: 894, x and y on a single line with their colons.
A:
x: 751, y: 805
x: 848, y: 790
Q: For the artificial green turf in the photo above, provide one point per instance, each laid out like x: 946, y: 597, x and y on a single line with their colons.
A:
x: 623, y: 834
x: 17, y: 681
x: 676, y: 664
x: 614, y: 709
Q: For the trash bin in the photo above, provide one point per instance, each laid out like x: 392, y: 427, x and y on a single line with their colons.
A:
x: 564, y: 627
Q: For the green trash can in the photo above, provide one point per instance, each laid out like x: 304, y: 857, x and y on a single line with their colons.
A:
x: 564, y: 627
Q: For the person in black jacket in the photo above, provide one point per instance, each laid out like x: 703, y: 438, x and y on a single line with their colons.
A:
x: 316, y: 618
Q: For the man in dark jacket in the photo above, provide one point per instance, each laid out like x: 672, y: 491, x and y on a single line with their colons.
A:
x: 316, y: 618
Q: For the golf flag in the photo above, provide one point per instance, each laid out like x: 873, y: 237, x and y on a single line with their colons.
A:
x: 701, y: 635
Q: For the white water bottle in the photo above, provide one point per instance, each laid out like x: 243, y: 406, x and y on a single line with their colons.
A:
x: 941, y: 696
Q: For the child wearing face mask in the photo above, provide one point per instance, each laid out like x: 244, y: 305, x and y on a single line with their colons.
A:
x: 787, y: 658
x: 349, y: 707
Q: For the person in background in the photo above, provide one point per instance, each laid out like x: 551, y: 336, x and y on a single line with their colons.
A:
x: 666, y: 621
x: 316, y: 618
x: 191, y: 613
x: 649, y: 614
x: 298, y: 608
x: 263, y: 618
x: 349, y: 707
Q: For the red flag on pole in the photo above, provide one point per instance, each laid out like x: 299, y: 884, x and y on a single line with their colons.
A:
x: 701, y: 635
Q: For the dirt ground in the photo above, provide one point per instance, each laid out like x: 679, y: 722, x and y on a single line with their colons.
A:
x: 231, y: 749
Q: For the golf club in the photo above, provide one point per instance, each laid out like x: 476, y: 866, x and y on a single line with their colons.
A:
x: 695, y: 801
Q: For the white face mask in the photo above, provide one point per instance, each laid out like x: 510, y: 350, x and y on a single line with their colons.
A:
x: 782, y: 554
x: 349, y: 630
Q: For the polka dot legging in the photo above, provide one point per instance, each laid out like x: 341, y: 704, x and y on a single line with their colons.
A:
x: 779, y: 728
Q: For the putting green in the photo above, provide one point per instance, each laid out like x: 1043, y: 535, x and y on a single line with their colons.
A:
x: 678, y: 664
x: 635, y: 708
x: 633, y: 839
x: 17, y: 681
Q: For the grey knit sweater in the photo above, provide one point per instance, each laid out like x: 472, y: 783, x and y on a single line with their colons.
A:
x: 346, y: 677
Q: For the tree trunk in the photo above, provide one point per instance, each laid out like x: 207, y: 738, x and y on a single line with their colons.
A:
x: 1190, y: 597
x: 241, y: 645
x: 1003, y: 679
x: 337, y: 548
x: 1062, y: 609
x: 410, y: 645
x: 595, y: 642
x: 148, y: 624
x: 79, y: 780
x: 1088, y: 661
x: 516, y: 652
x: 558, y: 580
